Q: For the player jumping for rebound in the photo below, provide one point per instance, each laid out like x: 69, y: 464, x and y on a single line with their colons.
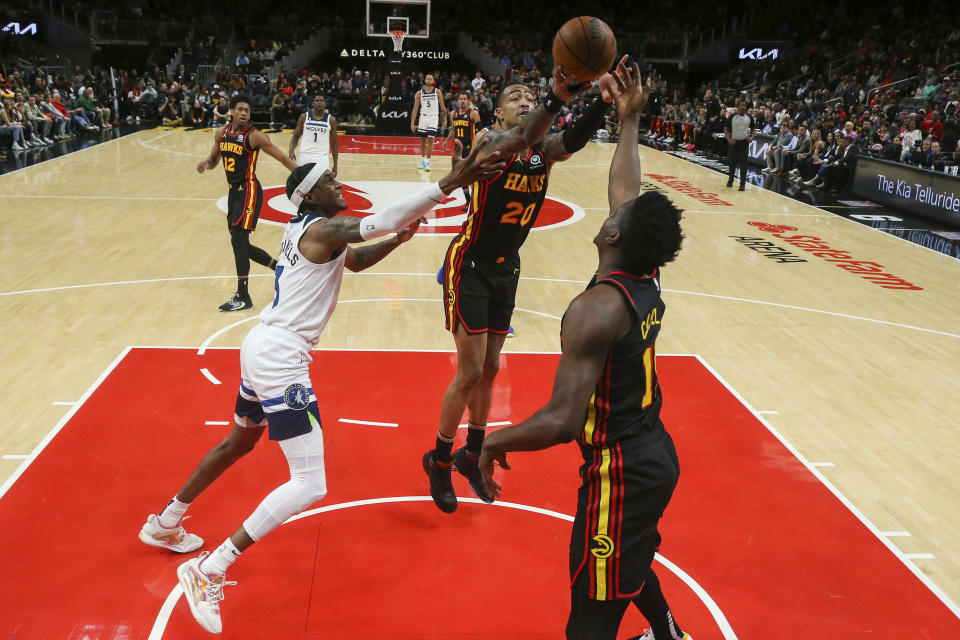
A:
x: 275, y: 389
x: 482, y: 266
x: 606, y: 395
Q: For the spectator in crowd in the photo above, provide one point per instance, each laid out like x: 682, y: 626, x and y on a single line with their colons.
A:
x: 12, y: 128
x: 93, y: 110
x: 42, y: 123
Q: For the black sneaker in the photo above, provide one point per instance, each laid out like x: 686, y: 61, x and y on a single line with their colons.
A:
x: 441, y: 487
x: 729, y: 183
x: 237, y: 303
x: 466, y: 464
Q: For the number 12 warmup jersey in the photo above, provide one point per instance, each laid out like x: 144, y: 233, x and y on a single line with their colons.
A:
x: 239, y: 159
x: 306, y: 292
x: 504, y: 208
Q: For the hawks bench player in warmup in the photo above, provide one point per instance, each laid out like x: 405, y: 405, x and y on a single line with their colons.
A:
x: 463, y: 127
x: 606, y: 395
x: 482, y: 266
x: 239, y: 144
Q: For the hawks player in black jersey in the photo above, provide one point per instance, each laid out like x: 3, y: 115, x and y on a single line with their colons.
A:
x: 482, y: 266
x: 463, y: 126
x: 606, y: 395
x: 239, y: 143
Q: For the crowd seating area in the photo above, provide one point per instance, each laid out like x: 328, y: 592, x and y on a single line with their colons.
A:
x: 889, y: 82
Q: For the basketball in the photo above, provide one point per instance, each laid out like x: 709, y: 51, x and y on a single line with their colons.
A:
x: 586, y: 47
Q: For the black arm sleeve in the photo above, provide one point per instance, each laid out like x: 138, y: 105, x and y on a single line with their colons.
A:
x: 575, y: 138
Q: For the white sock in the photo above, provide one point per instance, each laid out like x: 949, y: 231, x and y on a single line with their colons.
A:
x: 172, y: 514
x: 220, y: 560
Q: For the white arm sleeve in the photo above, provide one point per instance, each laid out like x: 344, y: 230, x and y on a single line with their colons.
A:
x: 401, y: 214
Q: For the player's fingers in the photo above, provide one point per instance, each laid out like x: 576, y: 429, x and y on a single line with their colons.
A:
x: 502, y: 461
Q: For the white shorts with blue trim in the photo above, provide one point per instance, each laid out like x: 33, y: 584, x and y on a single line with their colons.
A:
x: 275, y: 387
x: 427, y: 126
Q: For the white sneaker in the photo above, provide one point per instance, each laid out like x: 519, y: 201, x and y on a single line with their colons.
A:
x: 766, y: 170
x: 176, y: 539
x: 16, y: 147
x: 426, y: 166
x: 203, y: 593
x: 47, y: 141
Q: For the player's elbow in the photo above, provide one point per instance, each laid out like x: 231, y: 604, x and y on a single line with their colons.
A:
x: 564, y: 425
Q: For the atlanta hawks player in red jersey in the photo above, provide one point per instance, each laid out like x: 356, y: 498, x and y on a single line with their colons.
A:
x: 239, y: 144
x: 482, y: 266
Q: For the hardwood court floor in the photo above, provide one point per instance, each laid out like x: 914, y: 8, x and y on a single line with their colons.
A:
x: 123, y: 244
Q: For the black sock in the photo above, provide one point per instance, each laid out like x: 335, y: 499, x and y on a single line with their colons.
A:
x: 475, y: 438
x: 655, y: 609
x: 242, y: 286
x: 443, y: 451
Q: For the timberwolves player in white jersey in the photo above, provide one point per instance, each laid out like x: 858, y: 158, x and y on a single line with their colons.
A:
x: 317, y: 134
x: 428, y: 104
x: 275, y: 389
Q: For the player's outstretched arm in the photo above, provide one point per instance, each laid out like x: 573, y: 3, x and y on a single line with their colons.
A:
x: 297, y: 133
x: 322, y: 239
x: 360, y: 258
x: 261, y: 140
x: 630, y: 94
x: 211, y: 161
x: 536, y: 125
x: 593, y: 322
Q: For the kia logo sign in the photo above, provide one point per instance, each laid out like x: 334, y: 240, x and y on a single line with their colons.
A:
x: 367, y: 197
x: 16, y: 29
x: 759, y: 54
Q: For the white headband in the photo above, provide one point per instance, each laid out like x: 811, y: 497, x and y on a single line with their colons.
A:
x: 307, y: 184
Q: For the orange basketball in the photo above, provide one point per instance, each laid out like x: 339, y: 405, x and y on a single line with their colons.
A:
x: 586, y: 47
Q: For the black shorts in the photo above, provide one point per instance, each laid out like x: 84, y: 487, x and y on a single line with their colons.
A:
x: 479, y: 295
x: 625, y: 489
x: 243, y: 205
x: 466, y: 149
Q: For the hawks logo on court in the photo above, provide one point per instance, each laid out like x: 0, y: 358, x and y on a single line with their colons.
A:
x: 366, y: 197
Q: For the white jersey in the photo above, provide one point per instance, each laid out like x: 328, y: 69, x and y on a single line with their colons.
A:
x: 306, y: 293
x: 429, y: 105
x: 315, y: 141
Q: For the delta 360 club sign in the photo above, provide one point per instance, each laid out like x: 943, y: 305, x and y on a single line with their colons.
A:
x: 366, y: 197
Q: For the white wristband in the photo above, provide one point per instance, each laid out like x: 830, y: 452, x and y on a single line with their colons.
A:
x: 402, y: 213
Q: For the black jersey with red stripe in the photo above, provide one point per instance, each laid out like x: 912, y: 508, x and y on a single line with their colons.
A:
x: 463, y: 127
x: 504, y: 208
x: 626, y: 401
x: 239, y: 158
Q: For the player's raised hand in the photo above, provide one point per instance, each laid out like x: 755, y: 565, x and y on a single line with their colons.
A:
x: 481, y: 164
x: 626, y: 88
x: 487, y: 458
x: 564, y: 84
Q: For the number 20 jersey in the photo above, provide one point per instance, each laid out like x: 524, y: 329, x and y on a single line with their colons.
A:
x: 504, y: 208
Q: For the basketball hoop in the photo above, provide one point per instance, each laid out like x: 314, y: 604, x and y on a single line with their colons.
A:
x: 397, y: 36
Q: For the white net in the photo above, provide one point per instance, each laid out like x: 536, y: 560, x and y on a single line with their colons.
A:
x: 397, y: 36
